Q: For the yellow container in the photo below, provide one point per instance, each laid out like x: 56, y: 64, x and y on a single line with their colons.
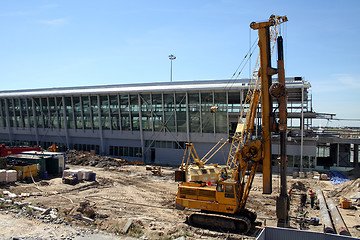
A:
x: 24, y: 171
x: 345, y: 203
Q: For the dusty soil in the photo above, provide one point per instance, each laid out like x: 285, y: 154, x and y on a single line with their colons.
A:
x: 131, y: 192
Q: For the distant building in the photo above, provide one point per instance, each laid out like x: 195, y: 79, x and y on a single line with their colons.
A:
x: 149, y: 122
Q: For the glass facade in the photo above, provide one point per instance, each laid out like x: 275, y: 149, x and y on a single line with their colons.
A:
x: 173, y: 112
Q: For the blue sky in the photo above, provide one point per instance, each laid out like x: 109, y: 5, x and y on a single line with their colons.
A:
x: 77, y: 43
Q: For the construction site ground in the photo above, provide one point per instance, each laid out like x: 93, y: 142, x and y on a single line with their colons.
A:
x: 130, y: 194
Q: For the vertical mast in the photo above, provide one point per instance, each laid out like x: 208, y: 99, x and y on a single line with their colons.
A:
x: 265, y: 73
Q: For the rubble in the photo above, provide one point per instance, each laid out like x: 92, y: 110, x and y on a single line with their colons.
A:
x: 346, y: 189
x: 74, y: 157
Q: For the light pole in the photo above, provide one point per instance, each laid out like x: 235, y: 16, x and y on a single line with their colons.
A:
x: 171, y: 57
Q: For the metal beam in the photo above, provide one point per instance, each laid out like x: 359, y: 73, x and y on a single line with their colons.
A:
x: 266, y: 102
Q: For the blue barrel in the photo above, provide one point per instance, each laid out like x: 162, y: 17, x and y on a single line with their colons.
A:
x: 45, y: 175
x: 92, y: 176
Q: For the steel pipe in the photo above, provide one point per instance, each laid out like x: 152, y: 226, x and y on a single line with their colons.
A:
x: 325, y: 217
x: 337, y: 219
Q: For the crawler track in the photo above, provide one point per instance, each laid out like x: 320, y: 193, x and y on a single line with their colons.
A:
x: 235, y: 224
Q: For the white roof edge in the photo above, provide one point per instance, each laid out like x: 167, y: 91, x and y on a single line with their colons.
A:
x: 177, y: 86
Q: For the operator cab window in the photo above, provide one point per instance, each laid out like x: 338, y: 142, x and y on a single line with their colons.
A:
x: 220, y: 188
x: 229, y: 191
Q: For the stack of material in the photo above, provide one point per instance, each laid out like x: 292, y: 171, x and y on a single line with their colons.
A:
x: 2, y: 176
x: 11, y: 176
x: 80, y: 174
x: 87, y: 174
x: 338, y: 177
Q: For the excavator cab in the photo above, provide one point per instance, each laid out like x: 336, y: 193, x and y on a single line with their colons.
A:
x: 226, y: 195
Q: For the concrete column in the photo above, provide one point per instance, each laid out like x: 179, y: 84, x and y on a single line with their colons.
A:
x: 356, y: 155
x: 302, y: 129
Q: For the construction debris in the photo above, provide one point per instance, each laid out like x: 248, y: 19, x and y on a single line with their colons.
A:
x: 156, y: 171
x: 127, y: 226
x: 72, y: 180
x: 74, y: 157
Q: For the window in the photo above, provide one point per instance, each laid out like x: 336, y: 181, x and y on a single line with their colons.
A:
x: 134, y: 107
x: 95, y: 111
x: 165, y: 144
x: 69, y: 113
x: 146, y: 117
x: 77, y: 112
x: 229, y: 191
x: 169, y: 111
x: 115, y: 113
x: 87, y: 111
x: 234, y: 102
x: 125, y: 113
x: 105, y: 112
x: 221, y: 113
x: 124, y: 151
x: 207, y: 117
x: 157, y: 111
x: 194, y: 112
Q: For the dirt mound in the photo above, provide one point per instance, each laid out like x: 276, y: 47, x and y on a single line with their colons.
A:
x: 74, y: 157
x: 346, y: 189
x: 299, y: 186
x: 354, y: 174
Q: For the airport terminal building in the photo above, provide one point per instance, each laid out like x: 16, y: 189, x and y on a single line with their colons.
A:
x: 148, y: 122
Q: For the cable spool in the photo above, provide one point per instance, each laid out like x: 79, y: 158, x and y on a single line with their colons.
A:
x: 277, y: 90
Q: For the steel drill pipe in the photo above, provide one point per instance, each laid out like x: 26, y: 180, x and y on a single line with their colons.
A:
x: 325, y: 217
x: 337, y: 219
